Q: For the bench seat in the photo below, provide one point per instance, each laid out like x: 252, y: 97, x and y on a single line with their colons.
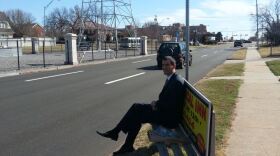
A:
x: 173, y: 138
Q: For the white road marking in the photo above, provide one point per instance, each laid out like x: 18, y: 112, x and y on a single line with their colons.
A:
x: 142, y: 61
x: 125, y: 78
x: 204, y: 55
x: 52, y: 76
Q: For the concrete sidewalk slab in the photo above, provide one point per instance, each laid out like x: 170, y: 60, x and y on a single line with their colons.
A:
x: 255, y: 129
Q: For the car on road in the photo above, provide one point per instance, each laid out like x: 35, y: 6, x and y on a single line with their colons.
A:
x: 83, y: 46
x: 175, y: 49
x: 238, y: 43
x: 246, y: 41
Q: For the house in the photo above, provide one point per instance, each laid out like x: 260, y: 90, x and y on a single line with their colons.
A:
x: 33, y: 30
x: 5, y: 28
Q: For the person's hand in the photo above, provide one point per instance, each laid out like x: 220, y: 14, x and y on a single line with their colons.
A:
x: 153, y: 103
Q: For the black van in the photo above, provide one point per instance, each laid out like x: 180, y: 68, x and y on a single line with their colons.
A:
x: 175, y: 49
x: 238, y: 43
x: 84, y: 46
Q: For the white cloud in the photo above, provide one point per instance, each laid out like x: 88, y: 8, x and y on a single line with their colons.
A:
x: 228, y: 16
x: 228, y: 8
x: 167, y: 18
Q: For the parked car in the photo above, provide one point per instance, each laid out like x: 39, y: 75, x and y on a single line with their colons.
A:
x: 175, y: 49
x: 84, y: 46
x: 192, y: 43
x: 238, y: 43
x: 247, y: 41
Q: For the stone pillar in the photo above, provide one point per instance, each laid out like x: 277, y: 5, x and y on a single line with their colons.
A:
x: 144, y: 44
x: 71, y: 49
x: 35, y: 45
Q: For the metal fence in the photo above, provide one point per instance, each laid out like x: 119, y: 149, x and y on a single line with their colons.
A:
x: 54, y: 55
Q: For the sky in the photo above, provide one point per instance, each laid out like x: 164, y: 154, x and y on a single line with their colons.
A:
x: 231, y: 17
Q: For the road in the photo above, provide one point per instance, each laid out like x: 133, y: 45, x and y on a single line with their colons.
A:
x: 57, y: 113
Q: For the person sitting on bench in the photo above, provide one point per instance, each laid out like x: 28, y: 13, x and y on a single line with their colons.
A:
x: 166, y: 111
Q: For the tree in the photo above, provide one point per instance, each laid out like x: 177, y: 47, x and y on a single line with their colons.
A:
x: 219, y: 37
x: 270, y: 18
x: 150, y: 29
x: 62, y: 20
x: 57, y: 22
x: 20, y: 22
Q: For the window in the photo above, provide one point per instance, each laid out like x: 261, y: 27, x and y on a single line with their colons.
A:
x: 2, y: 25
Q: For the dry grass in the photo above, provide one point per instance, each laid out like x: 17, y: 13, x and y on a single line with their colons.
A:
x: 57, y: 48
x: 266, y: 51
x: 223, y: 95
x: 274, y: 66
x: 233, y: 69
x: 239, y: 54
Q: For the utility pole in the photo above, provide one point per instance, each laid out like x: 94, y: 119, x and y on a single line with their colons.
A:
x: 187, y: 38
x: 257, y: 14
x: 45, y: 8
x: 112, y: 13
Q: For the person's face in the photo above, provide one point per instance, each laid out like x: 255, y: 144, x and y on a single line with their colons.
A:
x: 167, y: 67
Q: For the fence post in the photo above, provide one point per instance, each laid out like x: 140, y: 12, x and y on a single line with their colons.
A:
x: 144, y: 45
x: 156, y: 46
x: 92, y: 51
x: 67, y: 53
x: 44, y: 62
x: 106, y: 49
x: 71, y: 51
x: 51, y: 46
x: 270, y: 49
x: 117, y: 49
x: 134, y: 51
x: 18, y: 56
x: 105, y: 52
x: 35, y: 45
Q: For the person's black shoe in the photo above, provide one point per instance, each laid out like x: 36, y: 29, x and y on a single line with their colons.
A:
x: 110, y: 134
x: 124, y: 150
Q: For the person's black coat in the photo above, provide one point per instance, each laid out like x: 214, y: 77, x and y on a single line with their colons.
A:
x: 171, y: 101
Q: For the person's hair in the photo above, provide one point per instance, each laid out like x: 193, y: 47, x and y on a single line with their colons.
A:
x: 171, y: 59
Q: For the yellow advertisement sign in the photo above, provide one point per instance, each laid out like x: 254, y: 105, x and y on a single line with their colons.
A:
x: 196, y: 119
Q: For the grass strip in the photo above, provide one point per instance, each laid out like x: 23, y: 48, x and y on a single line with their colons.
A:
x: 274, y: 66
x: 239, y: 54
x: 57, y: 48
x: 267, y: 51
x: 223, y: 95
x: 231, y: 69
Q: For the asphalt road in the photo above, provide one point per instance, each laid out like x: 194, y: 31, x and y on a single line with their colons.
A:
x: 57, y: 113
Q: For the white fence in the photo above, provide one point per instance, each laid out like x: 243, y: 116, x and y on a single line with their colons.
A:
x: 25, y: 42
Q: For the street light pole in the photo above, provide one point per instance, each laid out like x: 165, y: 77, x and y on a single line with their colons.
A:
x: 187, y: 37
x: 45, y: 7
x: 257, y: 14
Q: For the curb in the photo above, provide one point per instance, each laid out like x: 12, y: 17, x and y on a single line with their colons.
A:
x: 10, y: 73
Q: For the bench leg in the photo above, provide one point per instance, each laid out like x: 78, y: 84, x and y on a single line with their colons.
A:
x: 189, y: 149
x: 177, y: 150
x: 162, y: 149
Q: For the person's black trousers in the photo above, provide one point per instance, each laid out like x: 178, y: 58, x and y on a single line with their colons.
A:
x: 133, y: 119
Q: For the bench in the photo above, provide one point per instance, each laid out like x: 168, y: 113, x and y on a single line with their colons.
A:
x: 184, y: 138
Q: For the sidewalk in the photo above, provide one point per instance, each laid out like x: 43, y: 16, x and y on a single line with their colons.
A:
x: 256, y: 126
